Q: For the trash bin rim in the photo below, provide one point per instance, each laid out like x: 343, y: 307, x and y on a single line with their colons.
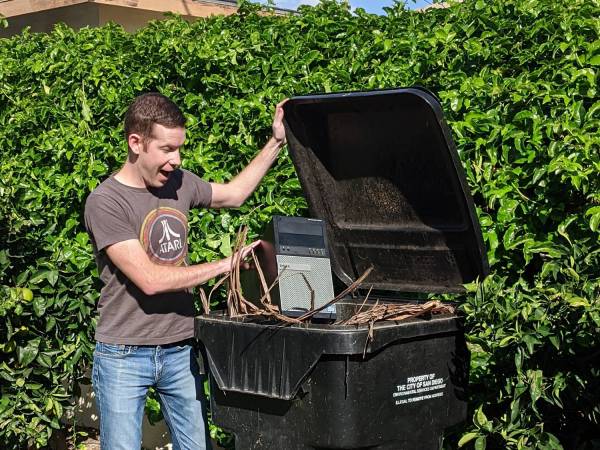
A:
x: 220, y: 316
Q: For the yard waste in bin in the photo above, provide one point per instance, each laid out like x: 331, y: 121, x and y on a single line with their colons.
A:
x: 381, y: 170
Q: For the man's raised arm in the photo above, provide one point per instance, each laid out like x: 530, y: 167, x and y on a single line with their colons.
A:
x: 234, y: 193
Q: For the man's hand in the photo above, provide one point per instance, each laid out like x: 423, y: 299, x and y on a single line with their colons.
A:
x: 278, y: 128
x: 243, y: 253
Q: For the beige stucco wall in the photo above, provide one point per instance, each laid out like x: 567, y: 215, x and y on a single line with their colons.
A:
x: 41, y: 15
x: 131, y: 19
x: 76, y: 16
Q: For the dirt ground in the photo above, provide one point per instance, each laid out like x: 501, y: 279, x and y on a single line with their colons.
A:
x: 90, y: 444
x: 82, y: 439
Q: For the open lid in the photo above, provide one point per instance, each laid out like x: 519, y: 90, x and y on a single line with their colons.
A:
x: 381, y: 169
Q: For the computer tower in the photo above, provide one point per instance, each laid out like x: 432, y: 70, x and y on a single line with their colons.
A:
x: 294, y: 253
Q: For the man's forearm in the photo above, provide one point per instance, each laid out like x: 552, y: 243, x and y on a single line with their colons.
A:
x: 249, y: 178
x: 160, y: 279
x: 234, y: 193
x: 152, y: 278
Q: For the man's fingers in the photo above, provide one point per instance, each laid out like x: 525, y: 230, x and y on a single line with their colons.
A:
x: 278, y: 129
x: 253, y: 245
x: 248, y: 248
x: 278, y: 116
x: 281, y: 103
x: 247, y: 266
x: 279, y: 110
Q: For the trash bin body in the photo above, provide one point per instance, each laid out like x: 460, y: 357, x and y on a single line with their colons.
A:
x: 380, y: 169
x: 318, y: 387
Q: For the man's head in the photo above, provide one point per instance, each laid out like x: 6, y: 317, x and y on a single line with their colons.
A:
x: 154, y: 129
x: 149, y: 109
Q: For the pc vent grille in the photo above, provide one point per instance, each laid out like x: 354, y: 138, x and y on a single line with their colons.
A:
x: 294, y: 291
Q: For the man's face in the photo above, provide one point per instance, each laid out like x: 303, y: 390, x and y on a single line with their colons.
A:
x: 158, y: 155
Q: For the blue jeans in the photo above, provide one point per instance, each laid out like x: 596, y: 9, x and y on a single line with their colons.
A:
x: 121, y: 377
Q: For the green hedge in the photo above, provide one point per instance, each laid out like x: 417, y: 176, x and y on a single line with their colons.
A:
x: 518, y: 80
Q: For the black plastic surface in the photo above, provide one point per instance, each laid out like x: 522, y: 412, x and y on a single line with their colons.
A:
x: 272, y: 360
x: 299, y: 236
x: 309, y: 387
x: 381, y: 169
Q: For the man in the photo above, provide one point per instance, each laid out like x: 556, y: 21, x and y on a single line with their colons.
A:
x: 137, y: 221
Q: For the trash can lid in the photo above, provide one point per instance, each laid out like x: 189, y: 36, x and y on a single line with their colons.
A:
x: 381, y: 169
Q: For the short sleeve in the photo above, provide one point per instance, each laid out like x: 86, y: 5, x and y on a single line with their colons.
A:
x: 200, y: 190
x: 106, y: 221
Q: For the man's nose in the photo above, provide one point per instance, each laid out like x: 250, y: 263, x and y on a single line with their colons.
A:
x: 175, y: 160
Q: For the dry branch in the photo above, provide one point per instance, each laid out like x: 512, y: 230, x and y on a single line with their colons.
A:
x: 395, y: 312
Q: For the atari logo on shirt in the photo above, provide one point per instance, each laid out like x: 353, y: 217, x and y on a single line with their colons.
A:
x: 164, y: 236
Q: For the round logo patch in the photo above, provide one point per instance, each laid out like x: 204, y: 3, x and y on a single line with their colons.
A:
x: 164, y: 236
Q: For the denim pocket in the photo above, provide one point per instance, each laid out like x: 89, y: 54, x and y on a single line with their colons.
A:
x: 114, y: 350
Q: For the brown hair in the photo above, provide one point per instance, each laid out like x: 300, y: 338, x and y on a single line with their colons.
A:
x: 148, y: 109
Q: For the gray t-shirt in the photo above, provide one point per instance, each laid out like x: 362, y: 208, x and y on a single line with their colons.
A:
x: 115, y: 212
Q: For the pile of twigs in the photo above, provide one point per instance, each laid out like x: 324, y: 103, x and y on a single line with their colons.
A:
x: 394, y: 312
x: 380, y: 312
x: 239, y: 306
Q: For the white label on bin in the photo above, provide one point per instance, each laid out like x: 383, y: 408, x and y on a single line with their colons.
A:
x: 418, y: 388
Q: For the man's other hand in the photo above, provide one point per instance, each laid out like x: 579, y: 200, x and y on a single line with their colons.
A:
x: 245, y: 252
x: 278, y: 128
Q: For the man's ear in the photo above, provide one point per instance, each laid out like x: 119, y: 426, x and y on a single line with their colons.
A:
x: 135, y: 143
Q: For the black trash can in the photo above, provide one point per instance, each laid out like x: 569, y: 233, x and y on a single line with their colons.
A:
x: 381, y: 170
